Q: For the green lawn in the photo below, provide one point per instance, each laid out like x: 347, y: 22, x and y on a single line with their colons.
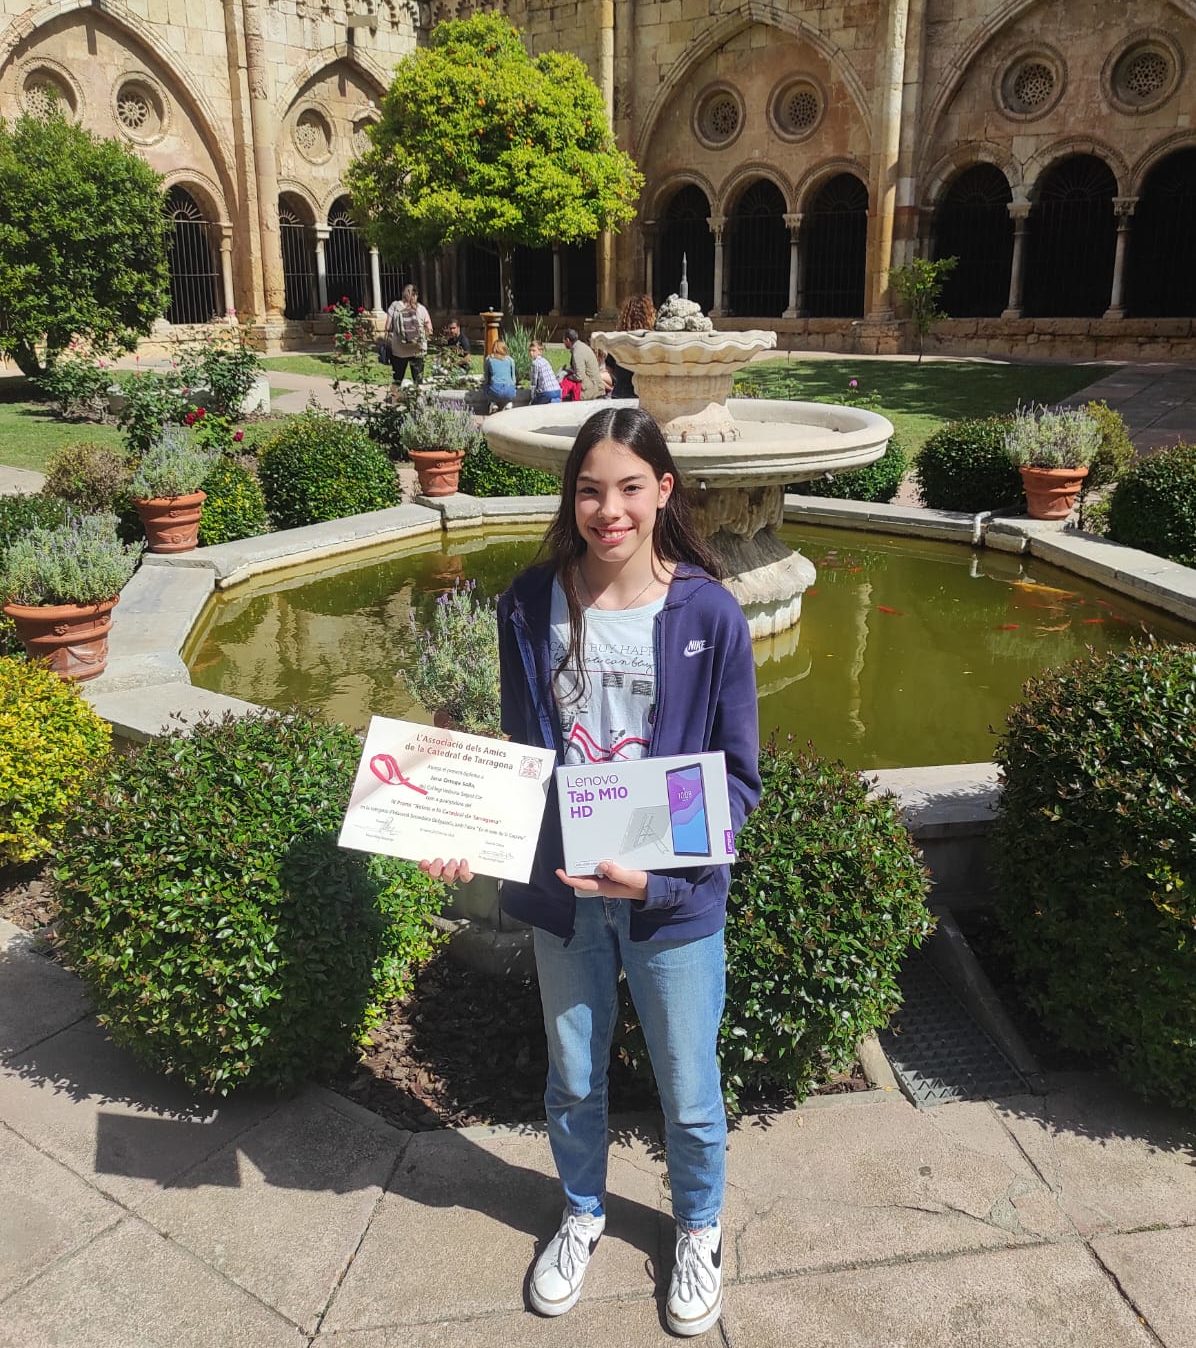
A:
x: 30, y: 432
x: 918, y: 399
x: 322, y: 364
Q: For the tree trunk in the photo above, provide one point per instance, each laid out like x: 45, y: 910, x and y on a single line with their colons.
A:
x: 506, y: 271
x: 27, y: 361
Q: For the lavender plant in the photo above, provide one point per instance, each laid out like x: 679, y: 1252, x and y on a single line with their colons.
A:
x: 1052, y: 438
x: 80, y: 562
x: 454, y: 665
x: 173, y: 465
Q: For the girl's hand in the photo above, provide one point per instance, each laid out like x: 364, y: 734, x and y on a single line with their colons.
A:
x: 611, y: 881
x: 448, y: 870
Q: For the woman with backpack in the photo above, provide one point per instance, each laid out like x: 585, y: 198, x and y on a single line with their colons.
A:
x: 408, y: 327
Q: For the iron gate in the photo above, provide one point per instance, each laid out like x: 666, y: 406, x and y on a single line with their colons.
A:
x: 972, y: 224
x: 297, y: 241
x: 347, y: 259
x: 196, y: 290
x: 1071, y: 236
x: 683, y: 230
x: 834, y: 246
x: 758, y: 253
x: 1162, y: 258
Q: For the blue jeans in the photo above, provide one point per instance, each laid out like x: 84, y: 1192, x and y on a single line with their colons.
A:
x: 546, y: 396
x: 678, y: 989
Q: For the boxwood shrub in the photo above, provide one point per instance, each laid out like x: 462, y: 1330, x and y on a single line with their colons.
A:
x: 828, y: 895
x: 483, y: 473
x: 320, y: 468
x: 1116, y: 454
x: 1153, y: 507
x: 50, y: 743
x: 964, y: 467
x: 1096, y: 850
x: 92, y: 477
x: 876, y: 482
x: 235, y: 506
x: 225, y: 936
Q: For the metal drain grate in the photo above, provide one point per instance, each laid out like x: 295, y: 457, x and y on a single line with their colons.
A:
x: 937, y: 1051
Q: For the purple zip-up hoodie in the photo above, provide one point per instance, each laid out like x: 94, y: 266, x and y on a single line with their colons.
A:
x: 705, y: 700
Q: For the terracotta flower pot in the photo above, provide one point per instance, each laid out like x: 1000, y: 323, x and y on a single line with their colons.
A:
x: 438, y: 470
x: 171, y: 523
x: 1051, y: 492
x: 71, y: 638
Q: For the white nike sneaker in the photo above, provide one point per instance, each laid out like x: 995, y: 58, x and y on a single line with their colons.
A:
x: 696, y: 1287
x: 561, y: 1269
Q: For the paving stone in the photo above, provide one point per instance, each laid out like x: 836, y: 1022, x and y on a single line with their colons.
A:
x: 1115, y: 1163
x: 310, y: 1171
x: 139, y: 714
x: 611, y: 1324
x: 465, y: 1217
x: 130, y: 1288
x: 88, y: 1104
x: 48, y: 1212
x: 1157, y: 1271
x: 40, y: 997
x: 868, y: 1178
x: 1048, y: 1296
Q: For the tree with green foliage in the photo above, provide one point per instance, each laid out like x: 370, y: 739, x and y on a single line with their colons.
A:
x: 918, y: 285
x: 479, y: 140
x: 83, y: 241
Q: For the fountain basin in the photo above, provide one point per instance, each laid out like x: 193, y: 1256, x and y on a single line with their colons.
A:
x: 737, y: 486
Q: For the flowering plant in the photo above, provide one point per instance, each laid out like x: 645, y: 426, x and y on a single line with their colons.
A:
x: 174, y: 465
x: 78, y: 386
x: 1045, y: 438
x: 453, y: 669
x: 224, y: 365
x: 79, y: 562
x: 443, y: 425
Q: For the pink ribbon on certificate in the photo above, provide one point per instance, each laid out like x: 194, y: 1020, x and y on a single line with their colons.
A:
x: 384, y: 767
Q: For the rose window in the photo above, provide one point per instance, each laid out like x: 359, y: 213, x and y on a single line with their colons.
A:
x: 313, y: 136
x: 720, y: 118
x: 1145, y: 75
x: 41, y: 99
x: 43, y: 95
x: 1033, y: 85
x: 801, y: 110
x: 133, y: 110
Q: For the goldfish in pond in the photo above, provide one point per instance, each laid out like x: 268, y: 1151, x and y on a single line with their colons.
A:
x: 896, y: 612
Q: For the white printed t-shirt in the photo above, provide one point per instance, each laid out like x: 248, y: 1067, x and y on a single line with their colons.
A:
x: 610, y: 721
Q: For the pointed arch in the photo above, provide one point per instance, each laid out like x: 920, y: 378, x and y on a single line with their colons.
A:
x: 990, y: 27
x: 116, y: 13
x: 369, y: 69
x: 729, y: 26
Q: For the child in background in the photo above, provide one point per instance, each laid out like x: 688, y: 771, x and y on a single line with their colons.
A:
x: 498, y: 377
x: 546, y: 387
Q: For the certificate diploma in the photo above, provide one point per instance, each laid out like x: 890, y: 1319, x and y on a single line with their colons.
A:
x: 422, y: 792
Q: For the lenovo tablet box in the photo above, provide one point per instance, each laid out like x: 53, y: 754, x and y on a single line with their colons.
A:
x: 650, y: 814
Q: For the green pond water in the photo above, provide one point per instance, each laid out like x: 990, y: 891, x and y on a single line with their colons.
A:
x: 908, y: 652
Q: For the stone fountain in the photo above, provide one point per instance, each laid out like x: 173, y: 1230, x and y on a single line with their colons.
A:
x: 736, y: 455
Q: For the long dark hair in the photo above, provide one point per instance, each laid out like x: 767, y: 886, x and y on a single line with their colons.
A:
x: 674, y: 536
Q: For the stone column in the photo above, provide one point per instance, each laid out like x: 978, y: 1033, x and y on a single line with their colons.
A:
x: 226, y: 269
x: 886, y: 155
x: 265, y: 164
x: 907, y: 234
x: 1019, y: 213
x: 322, y: 232
x: 649, y: 236
x: 556, y: 281
x: 717, y: 224
x: 376, y: 281
x: 793, y: 224
x: 1123, y: 209
x: 607, y: 306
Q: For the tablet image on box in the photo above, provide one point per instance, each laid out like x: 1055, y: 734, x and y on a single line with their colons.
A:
x: 653, y: 814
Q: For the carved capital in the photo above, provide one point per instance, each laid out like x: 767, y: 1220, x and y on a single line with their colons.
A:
x: 1123, y: 207
x: 793, y: 223
x: 1019, y: 211
x: 717, y: 224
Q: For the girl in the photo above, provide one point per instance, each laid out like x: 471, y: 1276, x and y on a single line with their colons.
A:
x: 408, y: 327
x: 623, y: 644
x: 498, y: 382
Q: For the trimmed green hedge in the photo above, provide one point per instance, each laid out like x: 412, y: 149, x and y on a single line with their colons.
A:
x: 1154, y: 505
x: 965, y: 467
x: 224, y: 935
x: 320, y: 468
x: 1096, y: 851
x: 877, y: 481
x: 484, y: 474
